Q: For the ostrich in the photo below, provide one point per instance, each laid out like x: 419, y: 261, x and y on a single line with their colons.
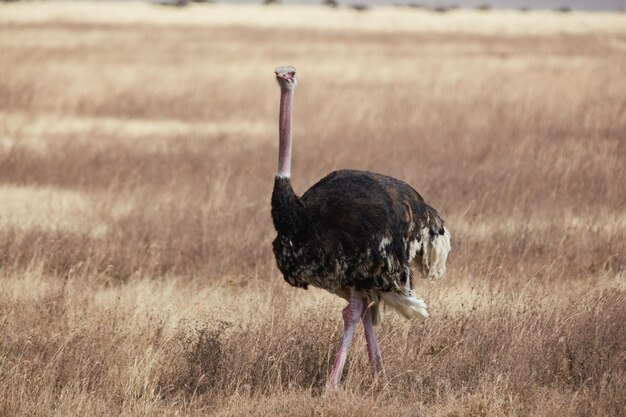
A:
x: 354, y: 234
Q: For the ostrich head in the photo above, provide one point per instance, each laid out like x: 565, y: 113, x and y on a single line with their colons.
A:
x: 286, y: 77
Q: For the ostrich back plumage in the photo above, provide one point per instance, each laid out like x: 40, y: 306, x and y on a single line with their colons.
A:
x: 356, y: 228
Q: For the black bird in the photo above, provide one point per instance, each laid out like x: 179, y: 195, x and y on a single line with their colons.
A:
x: 354, y: 234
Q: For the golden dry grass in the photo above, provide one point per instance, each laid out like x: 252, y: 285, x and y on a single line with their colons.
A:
x: 137, y: 153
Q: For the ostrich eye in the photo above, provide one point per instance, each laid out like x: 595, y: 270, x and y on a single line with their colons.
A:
x: 291, y: 74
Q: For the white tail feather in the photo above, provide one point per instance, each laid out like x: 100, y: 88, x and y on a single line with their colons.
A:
x: 431, y: 261
x: 407, y: 305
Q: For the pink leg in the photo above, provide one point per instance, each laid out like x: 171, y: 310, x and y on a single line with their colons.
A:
x: 351, y: 317
x: 372, y: 345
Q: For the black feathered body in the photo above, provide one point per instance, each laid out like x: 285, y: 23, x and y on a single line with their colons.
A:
x: 356, y: 228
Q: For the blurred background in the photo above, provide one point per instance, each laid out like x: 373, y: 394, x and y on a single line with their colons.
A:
x: 497, y: 4
x: 138, y: 146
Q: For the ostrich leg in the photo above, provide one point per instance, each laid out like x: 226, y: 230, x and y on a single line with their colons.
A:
x: 372, y: 345
x: 351, y: 317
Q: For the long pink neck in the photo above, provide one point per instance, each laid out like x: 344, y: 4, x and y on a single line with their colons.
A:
x: 284, y: 131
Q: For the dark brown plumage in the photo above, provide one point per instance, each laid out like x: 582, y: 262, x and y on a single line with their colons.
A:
x: 352, y: 228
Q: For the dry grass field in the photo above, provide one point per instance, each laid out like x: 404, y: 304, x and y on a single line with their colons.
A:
x: 137, y: 154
